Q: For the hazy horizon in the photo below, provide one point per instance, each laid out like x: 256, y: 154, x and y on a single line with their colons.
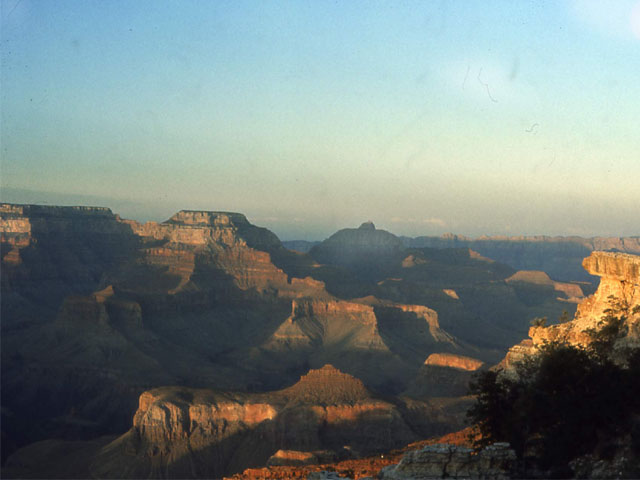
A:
x: 477, y: 118
x: 287, y: 229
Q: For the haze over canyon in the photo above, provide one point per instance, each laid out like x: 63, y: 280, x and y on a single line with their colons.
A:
x: 274, y: 239
x: 202, y: 346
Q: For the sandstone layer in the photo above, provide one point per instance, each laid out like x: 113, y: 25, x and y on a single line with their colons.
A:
x: 619, y: 283
x: 444, y: 375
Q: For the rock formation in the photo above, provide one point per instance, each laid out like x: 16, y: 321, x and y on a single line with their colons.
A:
x: 296, y: 458
x: 181, y: 432
x: 620, y: 281
x: 496, y: 461
x: 560, y: 257
x: 97, y: 310
x: 570, y: 292
x: 453, y: 361
x: 469, y: 291
x: 444, y: 375
x: 354, y: 248
x: 51, y: 252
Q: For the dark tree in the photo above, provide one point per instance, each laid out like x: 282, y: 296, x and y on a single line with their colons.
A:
x: 565, y: 401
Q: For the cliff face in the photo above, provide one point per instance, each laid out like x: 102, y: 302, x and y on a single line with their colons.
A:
x: 183, y: 433
x: 379, y: 341
x: 316, y: 322
x: 180, y: 432
x: 619, y: 277
x: 620, y: 280
x: 453, y: 361
x: 77, y: 250
x: 97, y: 310
x: 221, y: 248
x: 50, y: 252
x: 444, y: 375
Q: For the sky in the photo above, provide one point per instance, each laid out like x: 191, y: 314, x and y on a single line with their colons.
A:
x: 472, y: 117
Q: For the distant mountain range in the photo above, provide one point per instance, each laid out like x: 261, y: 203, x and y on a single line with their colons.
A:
x: 560, y: 257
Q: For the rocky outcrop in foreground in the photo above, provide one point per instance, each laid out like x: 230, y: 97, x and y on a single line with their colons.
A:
x: 496, y: 461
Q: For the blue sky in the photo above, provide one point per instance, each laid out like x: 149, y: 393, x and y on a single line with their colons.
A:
x: 496, y: 117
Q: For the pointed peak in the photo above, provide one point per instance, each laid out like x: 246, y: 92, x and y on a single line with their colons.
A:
x: 367, y: 226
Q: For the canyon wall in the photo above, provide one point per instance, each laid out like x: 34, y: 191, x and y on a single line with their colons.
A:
x: 97, y: 310
x: 618, y: 293
x: 560, y: 257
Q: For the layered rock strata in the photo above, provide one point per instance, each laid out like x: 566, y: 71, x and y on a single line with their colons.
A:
x: 181, y: 432
x: 97, y: 309
x: 459, y: 362
x: 560, y: 257
x: 496, y: 461
x: 444, y: 375
x: 619, y: 283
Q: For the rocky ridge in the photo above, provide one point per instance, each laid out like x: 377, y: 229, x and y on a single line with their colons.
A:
x: 202, y: 299
x: 97, y: 310
x: 619, y: 280
x: 459, y: 283
x: 560, y: 257
x: 571, y: 292
x: 181, y: 432
x: 444, y: 375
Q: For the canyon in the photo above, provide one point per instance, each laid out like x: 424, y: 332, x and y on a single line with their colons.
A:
x: 215, y: 338
x: 560, y: 257
x: 618, y: 291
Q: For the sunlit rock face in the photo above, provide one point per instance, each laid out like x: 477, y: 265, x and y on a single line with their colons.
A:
x: 444, y: 375
x: 176, y: 430
x: 292, y: 458
x: 225, y: 242
x: 459, y: 362
x: 619, y: 277
x: 620, y: 281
